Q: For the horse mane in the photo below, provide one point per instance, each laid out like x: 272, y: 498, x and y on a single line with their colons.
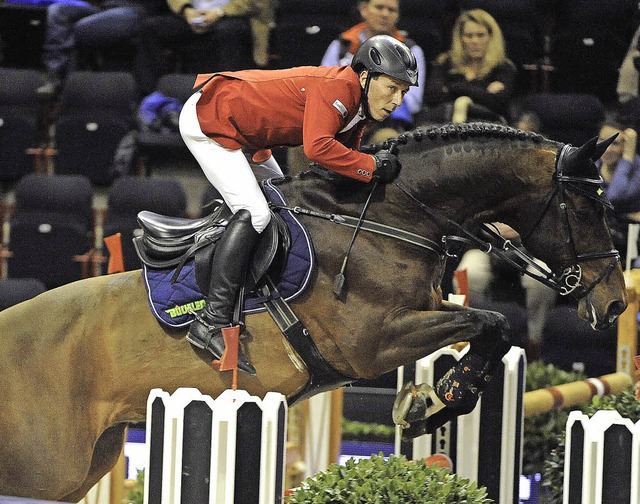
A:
x: 454, y: 132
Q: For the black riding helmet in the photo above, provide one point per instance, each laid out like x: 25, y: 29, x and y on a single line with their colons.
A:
x: 383, y: 54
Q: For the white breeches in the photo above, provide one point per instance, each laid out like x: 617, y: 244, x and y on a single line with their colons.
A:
x: 228, y: 170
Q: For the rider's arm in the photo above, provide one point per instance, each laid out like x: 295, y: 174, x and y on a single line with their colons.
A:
x: 330, y: 104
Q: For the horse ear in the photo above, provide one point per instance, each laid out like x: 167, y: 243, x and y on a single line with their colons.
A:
x: 602, y: 146
x: 576, y: 156
x: 586, y: 151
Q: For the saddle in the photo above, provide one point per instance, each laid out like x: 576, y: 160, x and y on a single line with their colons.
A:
x: 169, y: 242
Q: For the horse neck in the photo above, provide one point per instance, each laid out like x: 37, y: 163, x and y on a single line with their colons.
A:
x: 471, y: 182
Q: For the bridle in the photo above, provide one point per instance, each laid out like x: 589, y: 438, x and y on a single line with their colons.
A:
x: 569, y: 281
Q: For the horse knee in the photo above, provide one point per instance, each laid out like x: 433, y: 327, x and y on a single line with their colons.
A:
x: 493, y: 336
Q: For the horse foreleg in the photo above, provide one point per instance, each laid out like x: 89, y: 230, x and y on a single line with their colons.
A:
x: 106, y: 452
x: 423, y: 409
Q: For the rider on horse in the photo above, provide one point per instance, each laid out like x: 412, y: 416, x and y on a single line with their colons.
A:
x: 323, y: 108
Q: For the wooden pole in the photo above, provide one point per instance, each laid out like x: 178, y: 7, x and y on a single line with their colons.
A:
x: 572, y: 394
x: 628, y: 336
x: 335, y: 431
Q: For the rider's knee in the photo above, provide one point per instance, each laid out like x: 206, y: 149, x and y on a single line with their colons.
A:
x: 260, y: 217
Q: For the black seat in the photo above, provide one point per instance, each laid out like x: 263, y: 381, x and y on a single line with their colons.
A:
x: 20, y: 121
x: 51, y: 226
x: 96, y: 114
x: 589, y: 42
x: 131, y: 195
x: 17, y: 290
x: 303, y: 30
x: 566, y: 117
x: 22, y: 31
x: 424, y: 22
x: 569, y: 343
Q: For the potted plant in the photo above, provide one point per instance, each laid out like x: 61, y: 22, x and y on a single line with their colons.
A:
x: 395, y: 480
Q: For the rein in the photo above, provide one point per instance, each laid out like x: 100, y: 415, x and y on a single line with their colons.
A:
x: 370, y: 226
x: 568, y: 282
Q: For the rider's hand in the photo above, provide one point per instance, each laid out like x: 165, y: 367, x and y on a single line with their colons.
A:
x: 387, y: 166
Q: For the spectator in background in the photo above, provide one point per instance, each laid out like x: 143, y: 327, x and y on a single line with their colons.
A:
x: 226, y: 35
x: 627, y: 87
x: 620, y: 168
x: 473, y: 80
x: 528, y: 121
x: 101, y: 23
x: 380, y: 18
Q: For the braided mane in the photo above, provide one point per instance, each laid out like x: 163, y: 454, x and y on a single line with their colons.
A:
x: 454, y: 132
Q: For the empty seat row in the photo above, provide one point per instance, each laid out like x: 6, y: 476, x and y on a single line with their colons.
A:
x: 96, y: 117
x: 53, y: 224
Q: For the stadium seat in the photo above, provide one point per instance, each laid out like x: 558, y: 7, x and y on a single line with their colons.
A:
x: 17, y: 290
x: 166, y: 141
x: 570, y: 343
x: 566, y: 117
x: 130, y: 195
x: 425, y: 22
x: 303, y: 30
x: 20, y: 121
x: 589, y: 42
x: 97, y: 112
x: 51, y: 230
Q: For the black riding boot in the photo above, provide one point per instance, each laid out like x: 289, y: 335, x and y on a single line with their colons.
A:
x: 230, y: 261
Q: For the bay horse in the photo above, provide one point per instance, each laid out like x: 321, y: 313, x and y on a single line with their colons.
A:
x: 78, y: 362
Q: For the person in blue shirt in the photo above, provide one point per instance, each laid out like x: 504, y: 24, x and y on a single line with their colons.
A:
x: 620, y: 167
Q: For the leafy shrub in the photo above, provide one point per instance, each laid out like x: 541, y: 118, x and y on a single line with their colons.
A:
x: 624, y: 403
x: 392, y: 481
x: 541, y: 431
x: 363, y: 431
x: 136, y: 494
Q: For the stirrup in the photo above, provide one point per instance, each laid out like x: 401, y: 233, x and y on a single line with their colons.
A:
x: 211, y: 331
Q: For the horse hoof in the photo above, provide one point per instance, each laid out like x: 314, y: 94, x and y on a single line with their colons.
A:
x: 415, y: 403
x: 402, y: 405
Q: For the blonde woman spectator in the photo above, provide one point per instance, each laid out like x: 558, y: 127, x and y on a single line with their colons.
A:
x: 473, y: 80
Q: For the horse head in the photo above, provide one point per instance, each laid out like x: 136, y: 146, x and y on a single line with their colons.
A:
x: 579, y: 249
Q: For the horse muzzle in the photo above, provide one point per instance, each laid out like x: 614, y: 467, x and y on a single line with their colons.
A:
x: 602, y: 311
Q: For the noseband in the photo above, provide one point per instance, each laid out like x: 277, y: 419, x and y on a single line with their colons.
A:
x: 570, y: 280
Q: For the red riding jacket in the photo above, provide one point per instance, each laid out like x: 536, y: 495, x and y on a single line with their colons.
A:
x: 317, y: 107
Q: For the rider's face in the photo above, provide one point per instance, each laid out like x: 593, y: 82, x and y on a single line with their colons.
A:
x: 385, y: 95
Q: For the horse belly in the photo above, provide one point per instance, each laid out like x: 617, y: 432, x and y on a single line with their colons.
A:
x: 46, y: 448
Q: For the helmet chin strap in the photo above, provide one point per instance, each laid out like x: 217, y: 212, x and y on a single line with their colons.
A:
x: 365, y: 96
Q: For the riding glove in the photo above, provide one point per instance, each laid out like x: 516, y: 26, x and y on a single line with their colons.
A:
x: 387, y: 166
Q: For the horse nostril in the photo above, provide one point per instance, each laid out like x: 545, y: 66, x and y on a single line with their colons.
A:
x: 615, y: 309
